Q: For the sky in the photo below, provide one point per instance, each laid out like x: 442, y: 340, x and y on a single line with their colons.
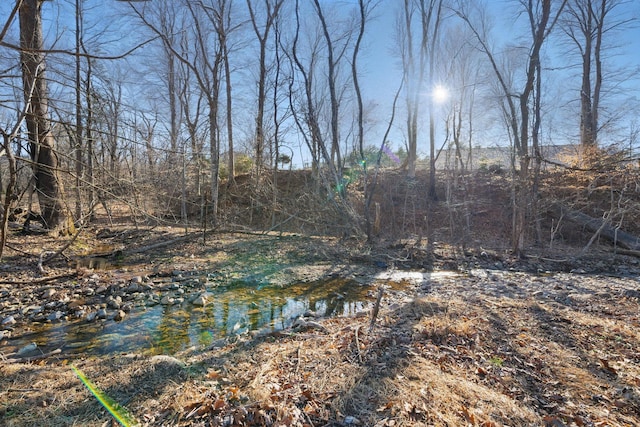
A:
x: 380, y: 65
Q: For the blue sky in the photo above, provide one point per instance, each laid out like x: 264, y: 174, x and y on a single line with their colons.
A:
x: 380, y: 70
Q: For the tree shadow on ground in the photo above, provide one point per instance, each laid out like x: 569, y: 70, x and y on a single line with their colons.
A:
x: 499, y: 357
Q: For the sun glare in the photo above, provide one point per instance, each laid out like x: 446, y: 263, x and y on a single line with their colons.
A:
x: 440, y: 94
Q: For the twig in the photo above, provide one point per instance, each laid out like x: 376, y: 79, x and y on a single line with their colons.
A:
x: 59, y: 251
x: 39, y: 280
x: 298, y: 356
x: 626, y: 252
x: 376, y: 309
x: 358, y: 344
x: 160, y: 244
x: 42, y: 260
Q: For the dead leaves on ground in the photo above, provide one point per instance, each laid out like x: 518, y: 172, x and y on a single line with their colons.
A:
x: 504, y: 363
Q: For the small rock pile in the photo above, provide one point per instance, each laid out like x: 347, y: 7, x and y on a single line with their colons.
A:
x: 93, y: 298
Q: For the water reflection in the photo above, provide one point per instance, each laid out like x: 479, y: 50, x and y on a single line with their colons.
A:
x: 232, y: 309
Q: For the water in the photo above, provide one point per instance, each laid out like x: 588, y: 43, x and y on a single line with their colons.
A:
x: 232, y: 309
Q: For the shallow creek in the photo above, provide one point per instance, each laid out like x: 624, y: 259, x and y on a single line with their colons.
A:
x: 166, y: 329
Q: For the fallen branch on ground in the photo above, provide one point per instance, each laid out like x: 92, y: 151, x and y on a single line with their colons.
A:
x: 34, y: 358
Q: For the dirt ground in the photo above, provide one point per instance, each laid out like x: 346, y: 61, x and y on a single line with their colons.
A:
x: 477, y: 339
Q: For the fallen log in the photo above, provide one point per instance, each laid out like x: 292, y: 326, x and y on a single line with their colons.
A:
x: 598, y: 225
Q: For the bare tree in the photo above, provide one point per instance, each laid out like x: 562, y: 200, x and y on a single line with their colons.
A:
x: 334, y: 56
x: 413, y: 74
x: 586, y: 24
x: 271, y: 9
x: 430, y: 36
x: 518, y: 104
x: 41, y: 140
x: 220, y: 18
x: 204, y: 61
x: 418, y: 27
x: 364, y: 9
x: 305, y: 71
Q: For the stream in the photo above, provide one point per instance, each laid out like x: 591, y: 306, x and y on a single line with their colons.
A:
x: 232, y: 309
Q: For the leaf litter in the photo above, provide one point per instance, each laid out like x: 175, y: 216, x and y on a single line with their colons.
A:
x: 477, y: 347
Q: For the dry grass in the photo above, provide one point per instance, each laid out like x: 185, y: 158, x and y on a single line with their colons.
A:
x: 441, y: 360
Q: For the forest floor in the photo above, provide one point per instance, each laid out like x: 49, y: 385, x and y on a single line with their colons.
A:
x: 496, y: 341
x: 472, y: 337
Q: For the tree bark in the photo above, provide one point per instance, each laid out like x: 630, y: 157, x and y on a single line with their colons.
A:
x: 41, y: 140
x: 598, y: 225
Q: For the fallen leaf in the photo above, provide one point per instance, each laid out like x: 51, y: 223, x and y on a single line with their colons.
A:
x: 386, y: 407
x: 550, y: 421
x: 607, y: 367
x: 578, y: 421
x: 468, y: 415
x: 213, y: 375
x: 218, y: 404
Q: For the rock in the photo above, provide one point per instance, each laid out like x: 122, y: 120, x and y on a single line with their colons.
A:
x: 55, y: 316
x: 5, y: 334
x: 133, y: 287
x: 167, y: 300
x: 147, y: 286
x: 101, y: 314
x: 29, y: 348
x: 92, y: 316
x: 138, y: 296
x: 631, y: 293
x: 32, y: 309
x: 120, y: 315
x: 76, y: 304
x: 200, y: 301
x: 219, y: 343
x: 48, y: 293
x: 101, y: 290
x: 352, y: 421
x: 9, y: 321
x: 114, y: 303
x: 136, y: 280
x: 302, y: 325
x: 89, y: 291
x: 167, y: 361
x: 310, y: 313
x: 38, y: 318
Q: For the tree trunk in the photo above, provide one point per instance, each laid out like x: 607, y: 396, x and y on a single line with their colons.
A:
x: 41, y: 140
x: 598, y: 225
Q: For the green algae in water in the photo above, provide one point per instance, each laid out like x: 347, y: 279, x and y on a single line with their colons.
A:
x: 232, y: 309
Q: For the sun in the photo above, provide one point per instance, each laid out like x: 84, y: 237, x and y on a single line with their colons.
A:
x: 440, y: 94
